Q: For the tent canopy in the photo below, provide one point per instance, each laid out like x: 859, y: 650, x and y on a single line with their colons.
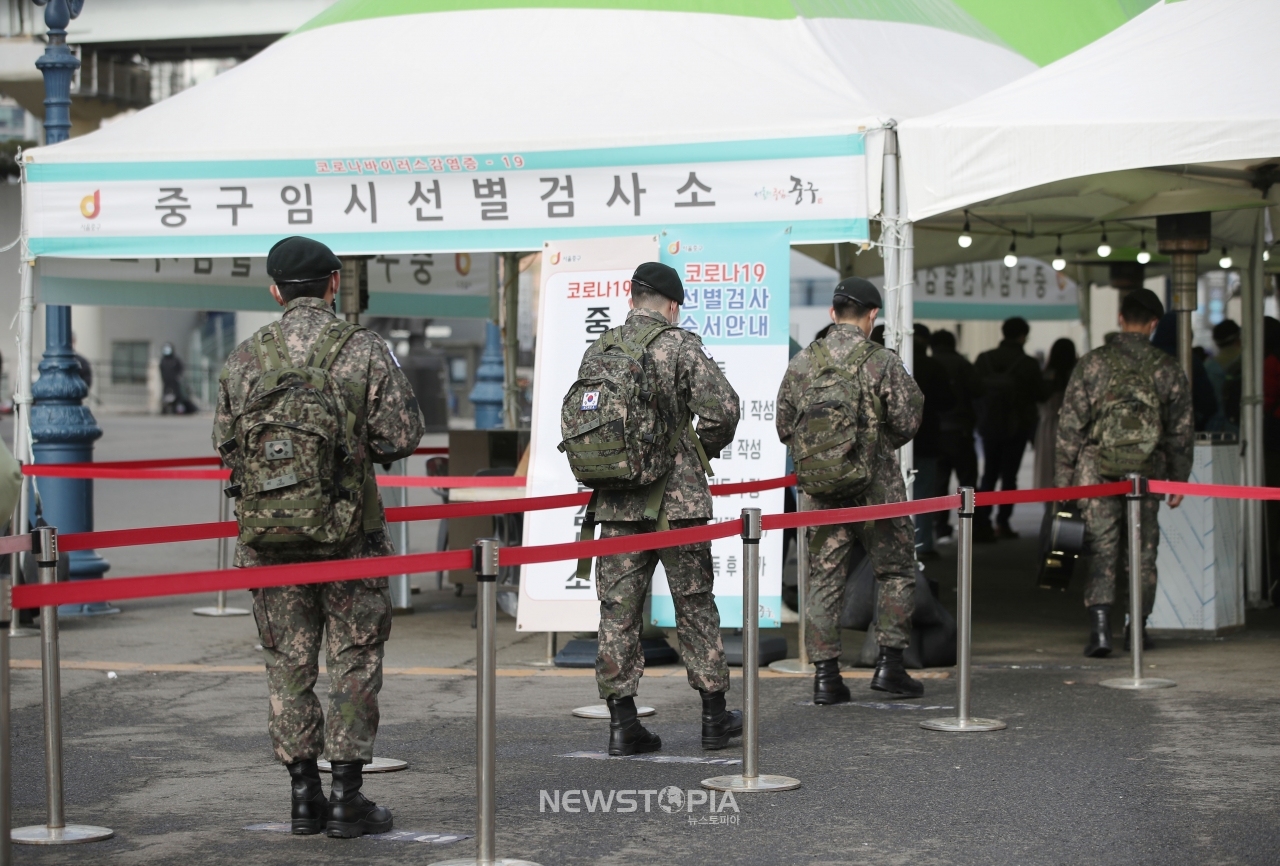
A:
x: 1172, y: 111
x: 536, y: 120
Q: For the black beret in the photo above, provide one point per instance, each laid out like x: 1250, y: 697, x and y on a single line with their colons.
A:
x: 859, y: 291
x: 1147, y: 300
x: 300, y: 260
x: 660, y: 278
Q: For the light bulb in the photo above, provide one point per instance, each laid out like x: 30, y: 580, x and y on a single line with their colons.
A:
x: 1059, y: 263
x: 1225, y: 261
x: 1104, y: 249
x: 1011, y: 257
x: 965, y: 238
x: 1266, y: 255
x: 1143, y: 257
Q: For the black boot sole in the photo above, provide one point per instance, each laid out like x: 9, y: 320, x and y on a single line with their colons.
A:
x: 829, y: 700
x: 712, y: 744
x: 356, y: 829
x: 1100, y: 652
x: 633, y: 749
x: 302, y: 827
x: 881, y: 686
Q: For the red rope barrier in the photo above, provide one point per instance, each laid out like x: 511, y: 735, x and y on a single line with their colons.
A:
x: 1223, y: 491
x: 121, y: 588
x: 860, y: 514
x: 1052, y: 494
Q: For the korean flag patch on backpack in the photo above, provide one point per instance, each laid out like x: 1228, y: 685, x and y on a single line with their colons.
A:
x: 590, y: 401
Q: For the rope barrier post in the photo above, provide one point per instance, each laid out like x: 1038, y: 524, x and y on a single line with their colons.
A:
x: 6, y: 756
x: 964, y: 628
x: 220, y: 607
x: 750, y: 779
x: 16, y: 524
x: 1133, y: 500
x: 801, y: 664
x: 485, y: 562
x: 55, y: 831
x: 401, y: 593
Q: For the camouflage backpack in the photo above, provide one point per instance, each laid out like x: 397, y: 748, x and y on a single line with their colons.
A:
x: 837, y: 425
x: 292, y: 453
x: 1128, y: 427
x: 615, y: 436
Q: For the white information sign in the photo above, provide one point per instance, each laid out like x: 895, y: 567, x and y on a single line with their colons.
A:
x: 1031, y: 289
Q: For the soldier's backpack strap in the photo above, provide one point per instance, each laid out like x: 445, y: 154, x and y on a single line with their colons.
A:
x: 272, y: 351
x: 588, y: 533
x: 325, y: 352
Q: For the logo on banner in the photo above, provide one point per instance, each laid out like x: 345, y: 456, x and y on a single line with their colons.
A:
x: 462, y: 263
x: 555, y: 257
x: 674, y: 248
x: 91, y: 205
x: 590, y: 401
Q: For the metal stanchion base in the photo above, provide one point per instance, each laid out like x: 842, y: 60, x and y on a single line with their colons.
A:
x: 379, y: 765
x: 601, y: 711
x: 742, y: 784
x: 20, y: 631
x: 1137, y: 684
x: 220, y: 611
x: 963, y: 725
x: 791, y: 666
x: 497, y: 861
x: 68, y: 835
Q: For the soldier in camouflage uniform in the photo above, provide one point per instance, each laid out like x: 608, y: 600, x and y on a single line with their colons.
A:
x: 1077, y: 456
x: 688, y: 381
x: 890, y: 543
x: 355, y: 616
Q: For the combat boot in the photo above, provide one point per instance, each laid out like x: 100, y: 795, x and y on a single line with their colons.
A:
x: 828, y: 685
x: 309, y: 806
x: 1100, y: 637
x: 351, y: 813
x: 891, y: 675
x: 719, y: 725
x: 626, y: 735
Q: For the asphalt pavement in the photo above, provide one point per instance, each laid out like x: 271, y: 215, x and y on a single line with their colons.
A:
x: 172, y: 752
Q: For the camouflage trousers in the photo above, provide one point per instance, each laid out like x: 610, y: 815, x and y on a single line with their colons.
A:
x: 355, y: 618
x: 889, y: 543
x: 622, y: 582
x: 1107, y: 545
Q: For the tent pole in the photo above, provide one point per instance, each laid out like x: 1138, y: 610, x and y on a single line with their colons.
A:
x: 890, y: 240
x: 1253, y: 297
x: 510, y: 337
x: 22, y: 391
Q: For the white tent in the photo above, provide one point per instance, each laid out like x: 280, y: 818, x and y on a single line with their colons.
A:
x: 536, y: 123
x: 1185, y: 82
x: 1173, y: 112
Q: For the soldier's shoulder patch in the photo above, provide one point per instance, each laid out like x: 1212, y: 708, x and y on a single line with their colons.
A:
x: 707, y: 352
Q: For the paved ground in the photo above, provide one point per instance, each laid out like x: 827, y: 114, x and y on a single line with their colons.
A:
x: 177, y: 760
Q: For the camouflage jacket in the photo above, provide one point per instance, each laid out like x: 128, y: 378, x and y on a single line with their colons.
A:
x: 1076, y: 457
x: 389, y: 423
x: 902, y: 399
x: 687, y: 380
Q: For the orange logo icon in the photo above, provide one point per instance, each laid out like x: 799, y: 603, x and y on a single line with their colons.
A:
x: 91, y: 205
x: 462, y: 263
x: 555, y: 257
x: 674, y: 248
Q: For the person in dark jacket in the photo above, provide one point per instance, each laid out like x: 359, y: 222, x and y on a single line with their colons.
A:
x: 1204, y: 404
x: 956, y: 451
x: 938, y: 399
x: 1012, y: 384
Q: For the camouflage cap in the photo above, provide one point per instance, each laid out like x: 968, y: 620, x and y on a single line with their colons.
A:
x: 301, y: 260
